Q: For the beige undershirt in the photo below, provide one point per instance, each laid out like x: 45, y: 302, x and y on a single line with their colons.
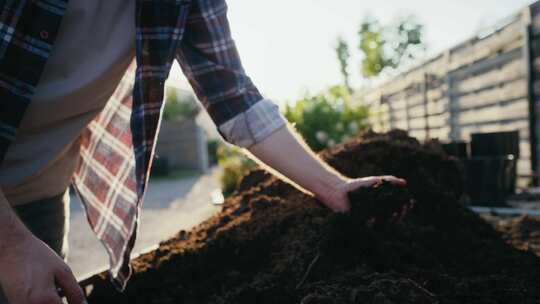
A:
x: 95, y: 45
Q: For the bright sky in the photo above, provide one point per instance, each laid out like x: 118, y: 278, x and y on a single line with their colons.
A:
x: 287, y: 46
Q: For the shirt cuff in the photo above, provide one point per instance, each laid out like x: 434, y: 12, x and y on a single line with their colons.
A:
x: 254, y: 125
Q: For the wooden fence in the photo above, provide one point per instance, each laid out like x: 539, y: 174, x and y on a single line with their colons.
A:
x: 485, y: 84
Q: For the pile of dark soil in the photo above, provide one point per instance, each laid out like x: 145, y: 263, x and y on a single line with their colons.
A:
x: 274, y: 244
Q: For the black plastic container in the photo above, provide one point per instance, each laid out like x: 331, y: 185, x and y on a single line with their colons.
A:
x: 498, y: 144
x: 488, y: 179
x: 495, y: 144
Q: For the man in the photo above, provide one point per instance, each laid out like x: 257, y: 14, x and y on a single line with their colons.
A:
x: 70, y: 112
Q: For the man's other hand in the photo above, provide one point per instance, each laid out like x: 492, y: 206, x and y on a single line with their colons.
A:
x: 32, y: 273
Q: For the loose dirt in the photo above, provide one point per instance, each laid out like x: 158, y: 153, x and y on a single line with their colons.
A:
x: 274, y: 244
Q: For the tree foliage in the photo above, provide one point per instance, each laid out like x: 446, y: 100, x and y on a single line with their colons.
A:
x: 234, y: 164
x: 389, y: 46
x: 179, y: 105
x: 328, y: 118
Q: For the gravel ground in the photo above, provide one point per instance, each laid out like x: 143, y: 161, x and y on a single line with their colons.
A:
x: 169, y: 206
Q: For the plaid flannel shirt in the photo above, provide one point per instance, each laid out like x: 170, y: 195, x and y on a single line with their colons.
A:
x: 117, y: 146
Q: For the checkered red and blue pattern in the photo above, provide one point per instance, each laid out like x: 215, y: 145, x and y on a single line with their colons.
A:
x: 117, y: 147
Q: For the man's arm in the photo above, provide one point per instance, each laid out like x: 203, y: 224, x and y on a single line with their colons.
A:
x: 29, y: 270
x: 210, y: 61
x: 286, y: 154
x: 209, y: 58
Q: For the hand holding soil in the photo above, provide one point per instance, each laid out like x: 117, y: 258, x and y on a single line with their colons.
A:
x: 382, y: 202
x: 340, y: 200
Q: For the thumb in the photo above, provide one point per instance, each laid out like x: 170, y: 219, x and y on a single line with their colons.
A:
x: 364, y: 182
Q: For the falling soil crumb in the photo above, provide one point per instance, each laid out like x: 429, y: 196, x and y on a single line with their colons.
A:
x: 274, y: 244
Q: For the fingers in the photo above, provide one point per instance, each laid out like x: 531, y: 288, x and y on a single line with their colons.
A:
x: 394, y: 180
x: 369, y: 181
x: 71, y: 289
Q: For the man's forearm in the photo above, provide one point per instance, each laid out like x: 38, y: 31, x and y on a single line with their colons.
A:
x: 286, y: 152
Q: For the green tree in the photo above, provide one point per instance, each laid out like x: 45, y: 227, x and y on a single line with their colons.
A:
x: 234, y: 165
x: 389, y: 46
x: 179, y: 105
x: 343, y: 55
x: 327, y: 118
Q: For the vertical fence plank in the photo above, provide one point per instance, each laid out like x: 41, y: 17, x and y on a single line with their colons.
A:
x: 528, y: 57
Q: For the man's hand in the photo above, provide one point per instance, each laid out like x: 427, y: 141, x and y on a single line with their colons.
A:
x: 31, y: 272
x: 336, y: 197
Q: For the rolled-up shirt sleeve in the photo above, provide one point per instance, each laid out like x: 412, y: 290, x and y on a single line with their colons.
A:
x: 210, y: 61
x: 253, y: 125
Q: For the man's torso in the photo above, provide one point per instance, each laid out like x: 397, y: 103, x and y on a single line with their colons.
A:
x: 94, y: 47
